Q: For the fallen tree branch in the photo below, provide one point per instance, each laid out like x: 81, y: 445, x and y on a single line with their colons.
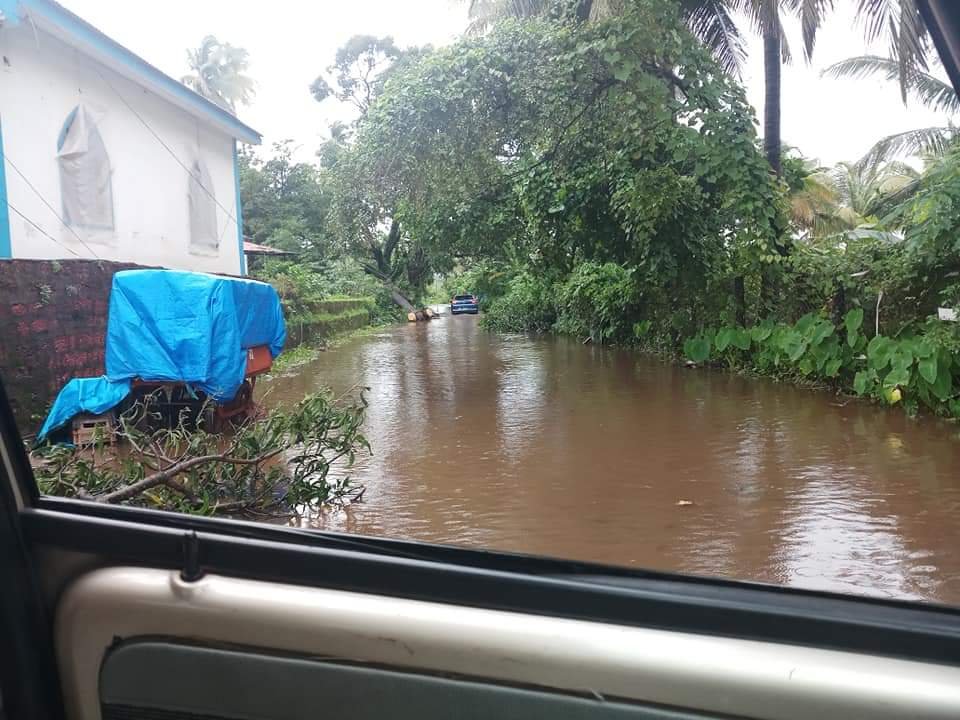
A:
x: 165, y: 476
x: 189, y: 469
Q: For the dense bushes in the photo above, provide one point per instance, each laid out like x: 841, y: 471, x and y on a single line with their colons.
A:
x: 528, y: 305
x: 302, y: 287
x: 597, y: 301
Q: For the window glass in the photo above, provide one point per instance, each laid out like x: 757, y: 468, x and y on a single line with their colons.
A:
x: 652, y: 283
x: 85, y: 175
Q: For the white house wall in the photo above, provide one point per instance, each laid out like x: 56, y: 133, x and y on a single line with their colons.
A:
x: 41, y: 81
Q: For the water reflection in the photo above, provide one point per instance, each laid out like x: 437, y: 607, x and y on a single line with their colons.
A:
x: 543, y: 445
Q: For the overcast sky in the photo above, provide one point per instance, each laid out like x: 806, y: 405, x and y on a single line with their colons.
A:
x: 291, y: 42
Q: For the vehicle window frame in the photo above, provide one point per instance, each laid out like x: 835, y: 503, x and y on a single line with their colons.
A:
x: 482, y: 578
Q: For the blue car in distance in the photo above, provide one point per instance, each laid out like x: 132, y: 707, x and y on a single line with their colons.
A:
x: 464, y: 304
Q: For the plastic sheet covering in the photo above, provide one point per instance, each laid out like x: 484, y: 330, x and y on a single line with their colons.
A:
x: 85, y: 185
x: 189, y: 327
x: 203, y: 208
x: 171, y: 326
x: 84, y: 395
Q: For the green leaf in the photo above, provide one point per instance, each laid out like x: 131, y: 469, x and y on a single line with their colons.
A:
x: 805, y: 324
x: 928, y: 369
x: 741, y: 338
x: 898, y: 376
x: 954, y: 406
x: 942, y: 386
x: 853, y: 320
x: 622, y: 72
x: 879, y: 350
x: 697, y: 349
x: 723, y: 338
x: 924, y: 349
x: 832, y: 368
x: 794, y: 345
x: 761, y: 332
x: 820, y: 332
x: 902, y: 357
x: 864, y: 381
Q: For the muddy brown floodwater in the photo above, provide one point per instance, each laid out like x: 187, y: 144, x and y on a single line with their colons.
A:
x: 542, y: 445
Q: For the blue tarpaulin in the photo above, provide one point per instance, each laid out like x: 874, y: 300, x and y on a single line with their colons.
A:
x: 88, y: 395
x: 171, y: 326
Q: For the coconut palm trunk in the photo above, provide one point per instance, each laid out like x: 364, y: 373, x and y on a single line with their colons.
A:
x: 771, y: 98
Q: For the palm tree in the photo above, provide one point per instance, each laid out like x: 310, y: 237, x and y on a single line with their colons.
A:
x: 829, y: 202
x: 218, y: 73
x: 927, y: 89
x: 766, y: 18
x: 815, y: 203
x: 863, y: 187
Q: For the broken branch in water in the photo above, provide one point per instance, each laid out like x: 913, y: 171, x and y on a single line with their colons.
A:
x: 274, y: 464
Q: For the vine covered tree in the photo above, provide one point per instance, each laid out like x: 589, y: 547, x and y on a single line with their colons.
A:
x: 556, y: 143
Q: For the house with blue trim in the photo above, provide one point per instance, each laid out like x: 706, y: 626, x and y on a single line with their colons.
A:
x: 105, y: 157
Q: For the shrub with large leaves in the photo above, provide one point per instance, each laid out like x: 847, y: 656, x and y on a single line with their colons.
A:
x: 916, y: 369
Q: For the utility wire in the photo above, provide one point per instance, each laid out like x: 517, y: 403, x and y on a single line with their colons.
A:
x: 68, y: 249
x: 164, y: 144
x: 50, y: 207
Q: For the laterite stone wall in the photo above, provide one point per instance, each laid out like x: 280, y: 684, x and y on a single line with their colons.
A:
x: 53, y: 316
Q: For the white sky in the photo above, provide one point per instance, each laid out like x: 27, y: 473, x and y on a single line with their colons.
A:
x: 291, y: 42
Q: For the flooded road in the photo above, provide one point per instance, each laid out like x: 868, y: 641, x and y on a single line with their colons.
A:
x: 543, y: 445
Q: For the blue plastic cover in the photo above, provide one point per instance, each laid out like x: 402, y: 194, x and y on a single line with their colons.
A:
x: 189, y: 327
x: 172, y: 326
x: 88, y: 395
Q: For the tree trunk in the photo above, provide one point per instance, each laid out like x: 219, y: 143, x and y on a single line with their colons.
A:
x: 398, y: 297
x: 771, y: 102
x: 401, y: 300
x: 839, y: 304
x: 740, y: 300
x: 584, y: 9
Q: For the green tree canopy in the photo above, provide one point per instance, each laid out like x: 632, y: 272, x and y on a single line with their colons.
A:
x: 285, y: 204
x: 620, y: 140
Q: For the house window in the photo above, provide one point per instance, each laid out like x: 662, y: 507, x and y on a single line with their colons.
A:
x: 85, y: 186
x: 203, y: 208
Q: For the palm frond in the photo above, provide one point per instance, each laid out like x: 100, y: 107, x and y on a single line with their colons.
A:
x: 483, y: 14
x: 764, y: 17
x: 931, y: 91
x: 877, y: 15
x: 911, y: 38
x: 605, y: 9
x: 710, y: 22
x: 863, y: 66
x: 907, y: 36
x: 889, y: 207
x: 933, y: 140
x: 812, y: 14
x: 934, y: 93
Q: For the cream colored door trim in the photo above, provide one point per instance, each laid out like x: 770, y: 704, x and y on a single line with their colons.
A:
x: 730, y: 676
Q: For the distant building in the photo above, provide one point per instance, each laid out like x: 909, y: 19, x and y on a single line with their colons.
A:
x: 105, y: 156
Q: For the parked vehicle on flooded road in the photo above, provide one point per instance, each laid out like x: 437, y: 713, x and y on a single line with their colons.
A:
x: 464, y: 304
